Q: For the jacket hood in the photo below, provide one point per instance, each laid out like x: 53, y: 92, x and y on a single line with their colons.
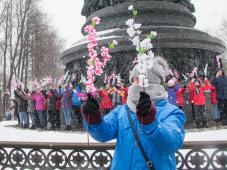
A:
x: 157, y: 92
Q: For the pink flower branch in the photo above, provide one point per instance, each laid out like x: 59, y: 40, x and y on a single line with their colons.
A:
x: 95, y: 64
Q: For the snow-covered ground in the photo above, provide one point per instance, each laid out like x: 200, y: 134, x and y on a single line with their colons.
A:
x: 9, y: 132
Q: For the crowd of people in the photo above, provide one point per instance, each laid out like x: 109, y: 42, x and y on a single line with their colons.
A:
x: 42, y: 106
x: 196, y: 89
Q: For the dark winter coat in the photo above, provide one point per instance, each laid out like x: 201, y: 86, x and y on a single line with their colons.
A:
x: 22, y: 102
x: 221, y: 87
x: 15, y: 103
x: 31, y: 104
x: 52, y: 102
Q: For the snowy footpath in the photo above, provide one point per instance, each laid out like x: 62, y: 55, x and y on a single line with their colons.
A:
x: 10, y: 132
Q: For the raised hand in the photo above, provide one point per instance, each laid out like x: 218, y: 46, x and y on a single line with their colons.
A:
x: 91, y: 110
x: 145, y: 109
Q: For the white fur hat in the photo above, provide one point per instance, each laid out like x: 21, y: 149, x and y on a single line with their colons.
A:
x: 156, y: 75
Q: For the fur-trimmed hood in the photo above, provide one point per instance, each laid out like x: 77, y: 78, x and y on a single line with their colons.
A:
x: 156, y: 92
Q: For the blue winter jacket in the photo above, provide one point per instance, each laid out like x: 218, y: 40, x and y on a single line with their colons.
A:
x: 160, y: 140
x: 76, y: 101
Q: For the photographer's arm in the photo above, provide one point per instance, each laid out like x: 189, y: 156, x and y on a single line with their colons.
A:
x: 106, y: 129
x: 101, y: 129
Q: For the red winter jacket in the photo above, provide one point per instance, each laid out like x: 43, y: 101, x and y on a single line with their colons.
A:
x: 180, y: 97
x: 213, y: 95
x: 198, y: 98
x: 106, y: 102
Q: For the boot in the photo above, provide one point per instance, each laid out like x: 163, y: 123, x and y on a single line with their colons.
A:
x: 217, y: 120
x: 199, y: 125
x: 224, y: 123
x: 58, y: 125
x: 25, y: 126
x: 69, y: 127
x: 33, y: 127
x: 205, y: 125
x: 52, y: 128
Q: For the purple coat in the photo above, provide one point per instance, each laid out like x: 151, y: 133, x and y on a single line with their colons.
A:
x: 172, y: 94
x: 66, y: 101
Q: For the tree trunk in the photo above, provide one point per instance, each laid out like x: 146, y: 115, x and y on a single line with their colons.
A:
x: 5, y: 60
x: 21, y: 28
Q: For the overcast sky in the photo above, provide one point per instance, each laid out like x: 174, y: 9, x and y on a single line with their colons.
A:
x: 65, y: 16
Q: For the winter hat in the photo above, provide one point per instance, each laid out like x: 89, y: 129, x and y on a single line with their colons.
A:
x: 155, y: 76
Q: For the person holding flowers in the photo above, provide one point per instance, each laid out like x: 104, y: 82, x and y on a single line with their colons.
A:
x: 148, y: 129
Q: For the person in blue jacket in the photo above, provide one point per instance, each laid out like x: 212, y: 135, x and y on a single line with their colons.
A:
x: 159, y: 124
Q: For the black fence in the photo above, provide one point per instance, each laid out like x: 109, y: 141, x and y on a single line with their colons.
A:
x: 13, y: 155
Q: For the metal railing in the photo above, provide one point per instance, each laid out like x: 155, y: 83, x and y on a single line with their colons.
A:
x: 202, y: 155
